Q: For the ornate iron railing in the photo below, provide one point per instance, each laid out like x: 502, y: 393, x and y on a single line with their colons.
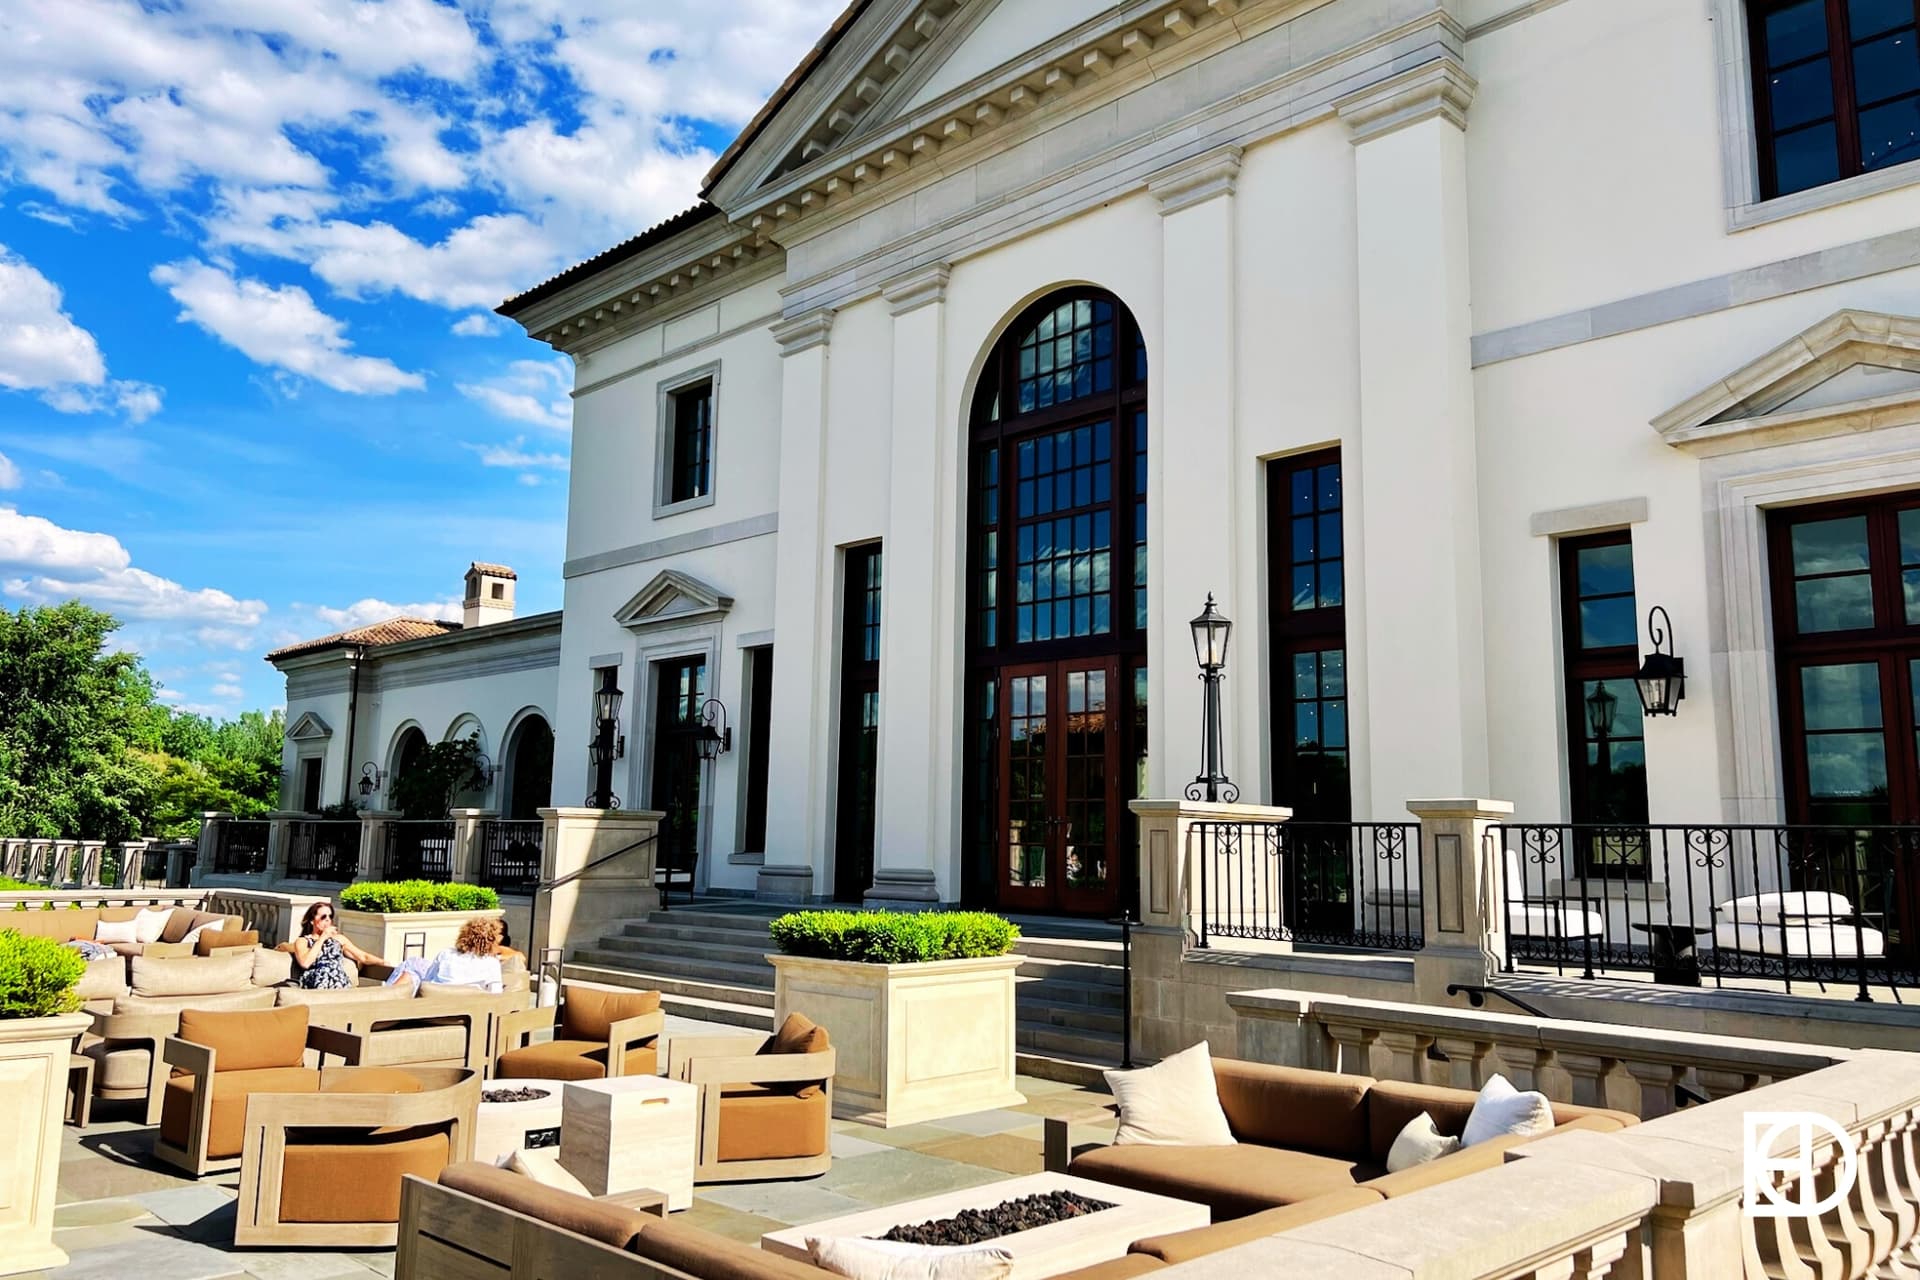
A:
x: 510, y: 854
x: 1348, y: 884
x: 1691, y: 903
x: 240, y: 846
x: 418, y: 850
x: 324, y: 849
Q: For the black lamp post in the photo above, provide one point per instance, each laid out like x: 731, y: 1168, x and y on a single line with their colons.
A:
x: 1662, y: 678
x: 606, y: 746
x: 1211, y: 632
x: 711, y: 742
x: 1600, y: 712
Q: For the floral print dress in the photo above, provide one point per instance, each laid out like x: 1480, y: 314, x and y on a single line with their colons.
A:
x: 328, y: 972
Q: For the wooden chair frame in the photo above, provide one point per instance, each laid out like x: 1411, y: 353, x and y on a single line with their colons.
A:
x: 1057, y: 1141
x: 132, y: 1031
x: 515, y: 1029
x: 446, y: 1233
x: 710, y: 1063
x: 199, y: 1061
x: 478, y: 1012
x: 452, y: 1098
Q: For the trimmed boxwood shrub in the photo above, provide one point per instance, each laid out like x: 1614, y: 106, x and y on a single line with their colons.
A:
x: 8, y: 883
x: 395, y: 896
x: 893, y: 937
x: 38, y: 976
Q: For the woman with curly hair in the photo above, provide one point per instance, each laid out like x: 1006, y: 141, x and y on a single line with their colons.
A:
x: 469, y: 962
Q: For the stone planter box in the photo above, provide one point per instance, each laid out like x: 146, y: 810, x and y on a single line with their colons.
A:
x: 388, y: 934
x: 34, y: 1053
x: 915, y: 1042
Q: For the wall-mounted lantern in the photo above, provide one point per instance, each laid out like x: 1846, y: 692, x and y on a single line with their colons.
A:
x: 1662, y: 678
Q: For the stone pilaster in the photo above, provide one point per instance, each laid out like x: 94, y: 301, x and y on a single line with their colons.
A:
x: 574, y: 843
x: 1462, y: 907
x: 467, y: 854
x: 211, y: 823
x: 373, y: 841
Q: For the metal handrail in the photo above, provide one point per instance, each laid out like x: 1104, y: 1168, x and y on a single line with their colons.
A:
x: 544, y: 887
x: 1477, y: 997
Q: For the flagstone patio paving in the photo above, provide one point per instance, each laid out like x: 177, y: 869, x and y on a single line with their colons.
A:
x: 123, y: 1213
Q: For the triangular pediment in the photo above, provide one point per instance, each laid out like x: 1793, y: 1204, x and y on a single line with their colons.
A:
x: 308, y: 727
x: 1854, y: 371
x: 672, y: 599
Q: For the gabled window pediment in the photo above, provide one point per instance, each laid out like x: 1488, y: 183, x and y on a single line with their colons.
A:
x: 308, y: 728
x: 1854, y: 371
x: 672, y: 599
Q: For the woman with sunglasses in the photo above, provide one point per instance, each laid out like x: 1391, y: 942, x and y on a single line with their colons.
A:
x: 321, y: 952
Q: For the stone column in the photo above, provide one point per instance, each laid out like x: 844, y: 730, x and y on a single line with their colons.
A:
x: 1462, y: 907
x: 1420, y: 633
x: 280, y: 841
x: 373, y: 841
x: 211, y: 824
x: 916, y: 827
x: 1193, y: 466
x: 133, y: 863
x: 92, y: 854
x: 466, y: 843
x: 1169, y: 899
x: 621, y: 888
x: 801, y: 719
x: 65, y: 854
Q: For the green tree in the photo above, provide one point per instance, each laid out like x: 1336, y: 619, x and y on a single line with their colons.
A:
x: 426, y: 788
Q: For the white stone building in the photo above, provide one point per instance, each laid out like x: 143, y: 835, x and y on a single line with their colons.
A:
x: 363, y: 702
x: 1439, y: 339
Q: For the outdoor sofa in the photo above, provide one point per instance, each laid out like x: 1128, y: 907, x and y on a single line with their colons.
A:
x: 72, y: 923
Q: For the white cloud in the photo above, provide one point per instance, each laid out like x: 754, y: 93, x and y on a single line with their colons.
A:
x: 477, y: 325
x: 279, y: 327
x: 42, y: 349
x: 515, y: 455
x: 9, y: 473
x: 532, y: 391
x: 370, y: 610
x: 52, y: 564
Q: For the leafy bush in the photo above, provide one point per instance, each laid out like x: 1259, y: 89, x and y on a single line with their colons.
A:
x: 9, y: 884
x: 396, y: 896
x: 893, y: 937
x: 38, y: 976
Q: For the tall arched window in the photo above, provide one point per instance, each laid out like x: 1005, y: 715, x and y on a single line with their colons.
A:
x: 1057, y: 591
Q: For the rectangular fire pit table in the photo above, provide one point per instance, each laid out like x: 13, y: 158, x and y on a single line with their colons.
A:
x: 1041, y: 1252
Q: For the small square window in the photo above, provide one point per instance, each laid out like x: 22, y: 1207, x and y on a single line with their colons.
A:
x: 689, y: 459
x: 499, y: 591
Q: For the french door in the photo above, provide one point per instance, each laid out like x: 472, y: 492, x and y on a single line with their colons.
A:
x: 1060, y: 738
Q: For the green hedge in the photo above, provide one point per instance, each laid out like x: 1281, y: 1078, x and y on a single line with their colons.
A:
x: 9, y: 884
x: 893, y: 937
x: 417, y: 895
x: 37, y: 976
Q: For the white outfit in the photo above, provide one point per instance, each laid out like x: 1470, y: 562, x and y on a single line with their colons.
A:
x: 457, y: 968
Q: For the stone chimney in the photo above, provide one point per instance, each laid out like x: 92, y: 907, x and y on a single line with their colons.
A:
x: 489, y: 595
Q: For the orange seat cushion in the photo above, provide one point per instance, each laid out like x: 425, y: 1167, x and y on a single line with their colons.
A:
x: 354, y: 1175
x: 696, y: 1252
x: 1295, y: 1108
x: 1185, y: 1246
x: 573, y: 1060
x: 798, y: 1034
x: 765, y: 1124
x: 610, y: 1224
x: 230, y: 1091
x: 588, y: 1013
x: 212, y: 939
x: 1232, y: 1181
x: 1124, y: 1267
x: 249, y: 1039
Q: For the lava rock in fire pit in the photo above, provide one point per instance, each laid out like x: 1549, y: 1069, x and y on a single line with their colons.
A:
x: 512, y: 1095
x: 1009, y: 1217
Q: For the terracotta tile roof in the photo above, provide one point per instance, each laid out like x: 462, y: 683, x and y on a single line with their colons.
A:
x: 779, y: 99
x: 392, y: 631
x: 619, y: 253
x: 494, y: 570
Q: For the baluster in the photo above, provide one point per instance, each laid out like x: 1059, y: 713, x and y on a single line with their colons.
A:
x: 1656, y: 1081
x: 1353, y: 1046
x: 1589, y: 1072
x: 1718, y: 1083
x: 1595, y: 1262
x: 1903, y: 1182
x: 1466, y: 1060
x: 1406, y: 1055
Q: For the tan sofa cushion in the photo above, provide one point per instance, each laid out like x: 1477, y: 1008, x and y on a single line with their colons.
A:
x: 251, y: 998
x: 607, y: 1223
x: 214, y: 939
x: 345, y: 995
x: 710, y: 1257
x: 1232, y: 1181
x: 354, y: 1176
x: 103, y: 979
x: 428, y: 1042
x: 1300, y: 1110
x: 588, y: 1013
x: 1124, y: 1267
x: 62, y: 924
x: 769, y: 1124
x: 227, y: 1125
x: 191, y: 975
x: 124, y: 1066
x: 186, y: 919
x: 572, y: 1060
x: 249, y: 1040
x: 1185, y: 1246
x: 271, y: 967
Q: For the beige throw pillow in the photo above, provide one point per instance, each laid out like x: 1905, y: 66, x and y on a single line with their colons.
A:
x: 151, y: 923
x: 1419, y: 1142
x: 1173, y: 1103
x: 1501, y: 1110
x: 544, y: 1167
x: 862, y: 1259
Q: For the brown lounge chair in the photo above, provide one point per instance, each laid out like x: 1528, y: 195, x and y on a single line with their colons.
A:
x: 766, y: 1102
x: 598, y: 1032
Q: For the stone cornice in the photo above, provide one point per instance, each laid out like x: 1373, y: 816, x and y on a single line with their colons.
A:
x: 916, y: 289
x: 804, y: 331
x: 1196, y: 180
x: 1440, y: 88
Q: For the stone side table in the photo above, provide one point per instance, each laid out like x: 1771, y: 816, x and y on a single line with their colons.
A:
x: 503, y: 1127
x: 630, y: 1132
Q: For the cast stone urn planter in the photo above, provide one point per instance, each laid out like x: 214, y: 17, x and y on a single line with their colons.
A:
x: 34, y: 1054
x: 914, y: 1042
x: 396, y: 935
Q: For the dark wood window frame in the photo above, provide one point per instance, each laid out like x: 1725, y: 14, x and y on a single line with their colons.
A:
x: 690, y: 452
x: 1292, y: 631
x: 1618, y: 856
x: 860, y: 639
x: 759, y: 722
x: 1847, y: 106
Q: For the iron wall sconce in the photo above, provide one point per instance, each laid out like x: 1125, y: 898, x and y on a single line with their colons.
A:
x: 371, y: 777
x: 710, y: 741
x: 1662, y: 678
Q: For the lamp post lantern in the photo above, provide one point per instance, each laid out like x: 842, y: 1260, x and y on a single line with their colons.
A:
x: 606, y: 745
x: 1211, y: 632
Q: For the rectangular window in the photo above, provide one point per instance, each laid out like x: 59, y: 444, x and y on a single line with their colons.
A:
x: 690, y: 460
x: 859, y: 724
x: 680, y: 699
x: 310, y: 786
x: 1607, y: 758
x: 1307, y: 632
x: 1836, y: 89
x: 753, y: 836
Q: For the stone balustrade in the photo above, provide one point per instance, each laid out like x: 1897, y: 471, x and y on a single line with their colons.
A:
x: 65, y: 863
x: 1588, y: 1063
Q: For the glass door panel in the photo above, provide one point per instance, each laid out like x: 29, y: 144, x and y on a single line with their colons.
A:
x: 1059, y: 775
x: 1026, y: 789
x: 1846, y: 746
x: 1090, y: 742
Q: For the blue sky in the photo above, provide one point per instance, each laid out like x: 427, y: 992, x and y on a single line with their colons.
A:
x: 250, y: 387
